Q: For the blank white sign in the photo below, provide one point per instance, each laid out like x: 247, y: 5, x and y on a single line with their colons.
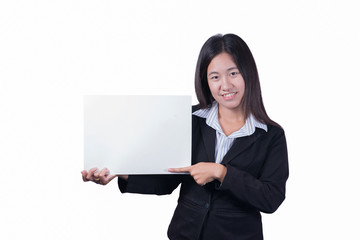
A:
x: 137, y: 134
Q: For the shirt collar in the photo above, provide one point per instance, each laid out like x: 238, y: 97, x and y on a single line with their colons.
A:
x: 212, y: 120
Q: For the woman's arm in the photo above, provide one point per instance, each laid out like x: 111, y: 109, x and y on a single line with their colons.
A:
x: 267, y: 191
x: 146, y: 184
x: 150, y: 184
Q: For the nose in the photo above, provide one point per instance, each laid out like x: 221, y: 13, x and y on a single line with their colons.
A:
x: 225, y: 84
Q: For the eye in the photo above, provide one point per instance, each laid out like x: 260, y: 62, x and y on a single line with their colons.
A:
x: 214, y: 77
x: 233, y: 74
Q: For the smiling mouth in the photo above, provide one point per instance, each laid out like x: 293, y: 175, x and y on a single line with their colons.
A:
x: 229, y: 95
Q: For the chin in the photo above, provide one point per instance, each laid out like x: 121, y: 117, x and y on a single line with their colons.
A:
x: 231, y: 106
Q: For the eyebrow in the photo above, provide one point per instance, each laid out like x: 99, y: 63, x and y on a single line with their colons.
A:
x: 229, y: 69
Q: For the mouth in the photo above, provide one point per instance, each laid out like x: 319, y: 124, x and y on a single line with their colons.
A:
x: 229, y: 96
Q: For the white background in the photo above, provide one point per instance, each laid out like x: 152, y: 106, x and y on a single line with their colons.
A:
x: 54, y: 52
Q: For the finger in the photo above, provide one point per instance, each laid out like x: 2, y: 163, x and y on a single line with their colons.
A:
x: 107, y: 179
x: 90, y: 174
x: 97, y: 173
x: 178, y: 170
x: 83, y: 174
x: 200, y: 182
x: 111, y: 177
x: 104, y: 172
x: 100, y: 176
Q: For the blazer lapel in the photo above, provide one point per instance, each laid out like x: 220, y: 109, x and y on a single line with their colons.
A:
x: 240, y: 145
x: 209, y: 138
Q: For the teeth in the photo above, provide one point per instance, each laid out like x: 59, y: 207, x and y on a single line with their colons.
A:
x: 229, y: 94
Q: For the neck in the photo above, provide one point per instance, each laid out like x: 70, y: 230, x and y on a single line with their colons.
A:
x: 230, y: 120
x: 231, y: 114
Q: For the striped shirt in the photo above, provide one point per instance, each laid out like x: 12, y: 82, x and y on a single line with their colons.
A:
x: 223, y: 142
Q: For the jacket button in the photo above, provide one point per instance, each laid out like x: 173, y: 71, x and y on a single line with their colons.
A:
x: 207, y: 205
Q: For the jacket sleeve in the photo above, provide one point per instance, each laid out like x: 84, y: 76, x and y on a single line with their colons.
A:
x: 150, y: 184
x: 265, y: 192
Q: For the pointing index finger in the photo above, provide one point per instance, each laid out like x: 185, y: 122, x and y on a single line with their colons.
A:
x: 179, y: 170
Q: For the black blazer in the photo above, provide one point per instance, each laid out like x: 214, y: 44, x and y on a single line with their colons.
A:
x: 257, y: 170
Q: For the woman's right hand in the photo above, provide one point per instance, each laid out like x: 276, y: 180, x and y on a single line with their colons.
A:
x: 102, y: 177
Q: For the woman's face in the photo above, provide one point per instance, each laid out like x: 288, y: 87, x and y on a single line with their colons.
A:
x: 226, y: 84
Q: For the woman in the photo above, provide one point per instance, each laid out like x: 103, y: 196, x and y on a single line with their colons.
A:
x: 239, y: 155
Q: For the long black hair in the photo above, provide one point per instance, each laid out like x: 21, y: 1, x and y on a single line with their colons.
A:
x: 232, y: 44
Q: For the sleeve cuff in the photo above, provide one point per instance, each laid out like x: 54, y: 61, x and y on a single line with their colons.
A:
x: 122, y: 184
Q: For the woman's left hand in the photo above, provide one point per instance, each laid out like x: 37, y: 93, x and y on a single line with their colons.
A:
x: 203, y: 172
x: 101, y: 177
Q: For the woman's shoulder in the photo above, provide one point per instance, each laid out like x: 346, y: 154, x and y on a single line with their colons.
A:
x: 195, y: 107
x: 275, y: 132
x: 196, y: 120
x: 275, y: 128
